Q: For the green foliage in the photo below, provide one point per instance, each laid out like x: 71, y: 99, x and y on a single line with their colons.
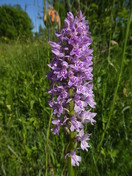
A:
x: 14, y: 23
x: 27, y: 146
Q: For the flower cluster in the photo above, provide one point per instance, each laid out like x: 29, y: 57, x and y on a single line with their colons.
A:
x: 71, y: 81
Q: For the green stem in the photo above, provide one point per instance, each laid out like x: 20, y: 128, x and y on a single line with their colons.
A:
x: 118, y: 82
x: 70, y: 137
x: 70, y: 167
x: 107, y: 68
x: 48, y: 131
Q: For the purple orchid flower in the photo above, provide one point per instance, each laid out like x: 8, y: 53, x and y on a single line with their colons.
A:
x: 83, y: 138
x: 71, y: 69
x: 75, y: 159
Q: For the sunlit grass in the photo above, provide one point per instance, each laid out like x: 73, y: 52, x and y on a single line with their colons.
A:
x: 27, y: 146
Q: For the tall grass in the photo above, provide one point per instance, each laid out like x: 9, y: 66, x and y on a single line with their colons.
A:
x: 27, y: 146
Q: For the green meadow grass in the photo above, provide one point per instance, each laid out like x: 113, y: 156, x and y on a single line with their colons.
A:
x: 27, y: 145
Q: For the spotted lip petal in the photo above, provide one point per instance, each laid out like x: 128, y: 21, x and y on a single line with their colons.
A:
x: 75, y: 159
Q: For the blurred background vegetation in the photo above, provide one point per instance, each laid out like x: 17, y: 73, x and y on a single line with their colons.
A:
x: 14, y: 23
x: 27, y: 146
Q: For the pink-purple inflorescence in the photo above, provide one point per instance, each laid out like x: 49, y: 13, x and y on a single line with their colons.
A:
x: 71, y: 81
